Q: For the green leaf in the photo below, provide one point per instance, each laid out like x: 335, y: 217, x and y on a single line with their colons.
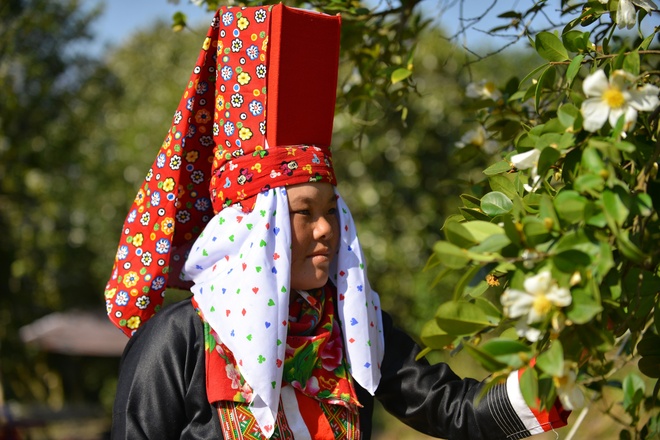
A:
x: 615, y: 209
x: 550, y: 47
x: 567, y: 115
x: 549, y: 156
x: 496, y: 203
x: 531, y: 74
x: 647, y: 41
x: 471, y: 214
x: 546, y: 81
x: 503, y: 184
x: 547, y: 213
x: 631, y: 63
x: 535, y: 231
x: 467, y: 279
x: 470, y: 201
x: 486, y: 360
x: 643, y: 204
x: 400, y: 74
x: 628, y: 248
x: 498, y: 168
x: 489, y: 308
x: 461, y: 318
x: 480, y: 231
x: 591, y: 160
x: 451, y: 255
x: 529, y: 387
x: 570, y: 206
x: 570, y: 260
x: 458, y: 234
x: 626, y: 147
x: 583, y: 308
x: 493, y: 243
x: 633, y: 391
x: 573, y: 41
x: 179, y: 21
x: 511, y: 352
x: 551, y: 361
x: 434, y: 337
x: 587, y: 183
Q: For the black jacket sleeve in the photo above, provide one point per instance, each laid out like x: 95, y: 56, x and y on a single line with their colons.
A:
x: 161, y: 393
x: 434, y: 400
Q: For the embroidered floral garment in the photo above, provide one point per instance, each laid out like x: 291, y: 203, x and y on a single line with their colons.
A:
x: 316, y: 384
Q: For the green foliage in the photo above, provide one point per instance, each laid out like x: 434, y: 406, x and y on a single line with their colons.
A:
x: 565, y: 228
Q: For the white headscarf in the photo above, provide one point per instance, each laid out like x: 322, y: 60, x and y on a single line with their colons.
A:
x: 241, y: 269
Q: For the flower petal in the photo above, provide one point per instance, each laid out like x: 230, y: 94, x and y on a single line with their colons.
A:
x: 539, y: 283
x: 595, y: 84
x: 626, y: 15
x: 530, y: 333
x: 516, y: 302
x: 594, y: 112
x: 560, y: 296
x: 647, y: 5
x: 526, y: 160
x: 645, y: 99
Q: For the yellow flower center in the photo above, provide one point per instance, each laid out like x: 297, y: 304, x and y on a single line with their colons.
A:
x: 542, y: 305
x: 614, y: 98
x: 560, y: 381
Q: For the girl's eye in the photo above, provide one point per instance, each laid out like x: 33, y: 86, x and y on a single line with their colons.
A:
x: 332, y: 211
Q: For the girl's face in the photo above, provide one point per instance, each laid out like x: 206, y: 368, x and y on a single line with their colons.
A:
x: 314, y: 233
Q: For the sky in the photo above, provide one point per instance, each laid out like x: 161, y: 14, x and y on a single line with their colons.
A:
x: 121, y: 18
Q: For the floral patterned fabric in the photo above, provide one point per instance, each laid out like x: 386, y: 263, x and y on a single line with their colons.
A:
x: 314, y: 365
x: 218, y: 151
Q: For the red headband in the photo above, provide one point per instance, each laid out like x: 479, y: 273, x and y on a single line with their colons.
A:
x: 259, y: 67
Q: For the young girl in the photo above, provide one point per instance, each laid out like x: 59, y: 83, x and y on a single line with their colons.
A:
x: 283, y: 337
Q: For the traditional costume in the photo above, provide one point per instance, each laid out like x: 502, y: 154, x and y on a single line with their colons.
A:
x: 241, y: 359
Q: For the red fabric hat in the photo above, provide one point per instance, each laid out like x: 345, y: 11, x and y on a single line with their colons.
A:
x: 257, y: 114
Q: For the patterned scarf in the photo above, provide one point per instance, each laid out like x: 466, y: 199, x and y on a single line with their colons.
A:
x: 317, y: 387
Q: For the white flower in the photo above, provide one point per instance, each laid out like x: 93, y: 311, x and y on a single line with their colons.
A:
x: 609, y: 100
x: 626, y: 14
x: 530, y: 333
x: 526, y: 160
x: 483, y: 90
x: 537, y: 300
x: 569, y: 392
x: 478, y: 137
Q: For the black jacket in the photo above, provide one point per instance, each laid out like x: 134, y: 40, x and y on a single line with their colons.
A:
x: 161, y: 392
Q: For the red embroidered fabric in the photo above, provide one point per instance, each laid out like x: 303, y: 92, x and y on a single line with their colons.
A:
x: 258, y: 66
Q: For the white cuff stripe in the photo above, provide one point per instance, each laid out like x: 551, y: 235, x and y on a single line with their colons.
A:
x: 517, y: 400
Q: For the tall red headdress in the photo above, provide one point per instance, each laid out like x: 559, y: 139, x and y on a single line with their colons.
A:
x: 257, y: 114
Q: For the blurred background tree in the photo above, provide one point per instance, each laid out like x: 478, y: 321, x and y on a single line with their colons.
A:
x: 51, y: 94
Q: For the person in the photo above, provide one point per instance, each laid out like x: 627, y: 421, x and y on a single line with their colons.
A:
x: 283, y: 336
